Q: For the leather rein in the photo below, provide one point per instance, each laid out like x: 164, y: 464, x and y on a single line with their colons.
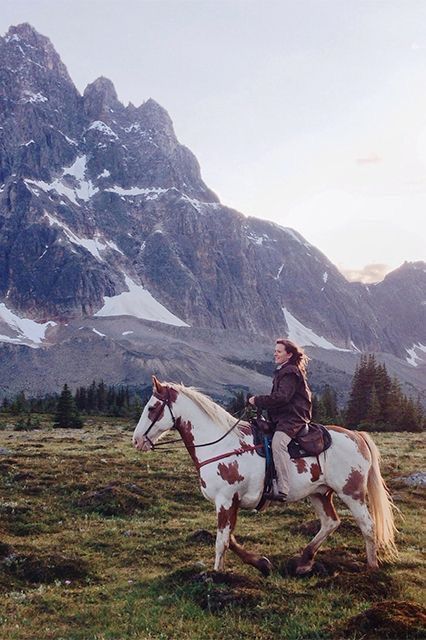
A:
x: 164, y: 446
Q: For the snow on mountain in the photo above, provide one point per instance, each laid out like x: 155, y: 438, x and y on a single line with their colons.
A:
x: 138, y: 302
x: 27, y: 329
x: 414, y: 358
x: 304, y: 336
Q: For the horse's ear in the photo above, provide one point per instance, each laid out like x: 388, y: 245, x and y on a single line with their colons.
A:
x: 157, y: 386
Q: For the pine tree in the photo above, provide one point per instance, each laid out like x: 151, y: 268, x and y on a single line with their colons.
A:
x: 67, y: 415
x: 329, y: 403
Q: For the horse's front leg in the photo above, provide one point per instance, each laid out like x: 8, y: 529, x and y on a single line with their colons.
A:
x: 227, y: 510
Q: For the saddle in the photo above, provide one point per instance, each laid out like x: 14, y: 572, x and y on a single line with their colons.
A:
x: 310, y: 441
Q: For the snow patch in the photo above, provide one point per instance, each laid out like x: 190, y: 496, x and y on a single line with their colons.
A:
x: 413, y: 357
x: 14, y: 38
x: 94, y: 245
x: 127, y: 333
x: 280, y: 270
x: 199, y: 205
x: 105, y: 174
x: 27, y: 329
x: 257, y: 239
x: 103, y: 128
x: 29, y: 96
x: 138, y: 302
x: 304, y: 336
x: 133, y: 127
x: 103, y: 335
x: 325, y: 276
x: 85, y: 189
x: 151, y: 193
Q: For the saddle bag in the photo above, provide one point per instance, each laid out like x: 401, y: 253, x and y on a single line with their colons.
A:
x: 316, y: 440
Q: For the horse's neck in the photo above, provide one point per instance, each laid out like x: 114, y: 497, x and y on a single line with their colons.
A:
x: 202, y: 427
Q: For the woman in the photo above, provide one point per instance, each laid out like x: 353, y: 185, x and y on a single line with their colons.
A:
x: 289, y: 407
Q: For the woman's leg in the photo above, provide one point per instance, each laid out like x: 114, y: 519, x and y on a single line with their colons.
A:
x: 281, y: 459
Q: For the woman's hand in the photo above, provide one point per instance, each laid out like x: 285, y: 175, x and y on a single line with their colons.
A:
x: 251, y: 400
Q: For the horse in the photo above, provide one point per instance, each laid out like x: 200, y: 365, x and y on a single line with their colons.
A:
x: 231, y: 474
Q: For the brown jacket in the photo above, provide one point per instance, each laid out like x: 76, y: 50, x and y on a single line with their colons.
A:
x: 289, y: 405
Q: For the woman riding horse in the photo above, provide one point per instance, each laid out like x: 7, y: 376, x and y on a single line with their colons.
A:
x: 289, y: 407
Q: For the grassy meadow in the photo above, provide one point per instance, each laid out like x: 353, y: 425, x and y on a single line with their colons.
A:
x: 100, y: 542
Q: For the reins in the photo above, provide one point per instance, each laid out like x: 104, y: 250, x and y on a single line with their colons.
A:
x: 163, y: 446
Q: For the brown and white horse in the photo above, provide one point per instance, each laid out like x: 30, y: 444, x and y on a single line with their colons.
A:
x: 232, y: 474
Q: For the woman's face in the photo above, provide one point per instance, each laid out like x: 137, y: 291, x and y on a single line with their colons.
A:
x: 280, y: 354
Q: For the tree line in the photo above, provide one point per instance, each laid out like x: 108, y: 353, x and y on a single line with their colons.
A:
x: 376, y: 403
x: 70, y: 409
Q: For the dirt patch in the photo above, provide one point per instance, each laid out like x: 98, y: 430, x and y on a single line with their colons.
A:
x: 222, y: 590
x: 213, y: 591
x: 116, y: 499
x: 371, y: 585
x: 389, y: 619
x: 201, y: 536
x: 48, y: 568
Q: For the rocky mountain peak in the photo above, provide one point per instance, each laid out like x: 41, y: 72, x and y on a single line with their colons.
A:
x: 99, y: 97
x: 25, y: 47
x: 155, y: 116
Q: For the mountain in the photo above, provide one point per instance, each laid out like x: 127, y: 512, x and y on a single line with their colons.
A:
x: 112, y: 247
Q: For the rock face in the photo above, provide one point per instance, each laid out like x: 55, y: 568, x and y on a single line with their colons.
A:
x: 98, y: 199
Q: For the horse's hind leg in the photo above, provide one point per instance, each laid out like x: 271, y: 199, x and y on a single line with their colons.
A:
x: 324, y: 507
x: 365, y: 522
x: 260, y: 562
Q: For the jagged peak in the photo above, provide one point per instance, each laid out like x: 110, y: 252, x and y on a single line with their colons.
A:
x: 24, y: 30
x: 104, y: 86
x: 155, y: 116
x: 98, y: 96
x: 406, y: 270
x: 35, y: 47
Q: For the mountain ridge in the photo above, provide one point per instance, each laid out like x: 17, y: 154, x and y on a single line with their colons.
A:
x: 102, y: 209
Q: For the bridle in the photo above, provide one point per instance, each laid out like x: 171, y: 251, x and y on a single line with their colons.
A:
x: 163, y: 446
x: 159, y: 415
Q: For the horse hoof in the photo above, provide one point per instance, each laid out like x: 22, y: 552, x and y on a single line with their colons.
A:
x: 265, y: 567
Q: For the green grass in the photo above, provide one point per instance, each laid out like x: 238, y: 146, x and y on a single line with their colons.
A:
x: 97, y: 543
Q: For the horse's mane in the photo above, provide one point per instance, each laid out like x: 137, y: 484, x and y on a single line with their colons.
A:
x: 222, y: 418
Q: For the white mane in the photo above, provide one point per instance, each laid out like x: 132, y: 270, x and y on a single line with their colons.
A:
x: 218, y: 415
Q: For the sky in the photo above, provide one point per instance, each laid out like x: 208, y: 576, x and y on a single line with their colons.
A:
x: 309, y: 113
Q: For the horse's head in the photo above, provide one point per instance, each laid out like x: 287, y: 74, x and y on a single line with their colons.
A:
x: 157, y: 416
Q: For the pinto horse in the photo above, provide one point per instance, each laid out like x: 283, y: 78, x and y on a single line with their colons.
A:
x: 231, y: 474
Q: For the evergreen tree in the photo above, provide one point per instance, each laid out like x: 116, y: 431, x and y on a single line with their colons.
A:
x: 377, y: 402
x: 317, y: 409
x: 66, y: 412
x: 329, y: 404
x: 237, y: 403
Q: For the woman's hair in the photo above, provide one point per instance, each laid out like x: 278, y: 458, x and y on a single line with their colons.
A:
x: 298, y: 356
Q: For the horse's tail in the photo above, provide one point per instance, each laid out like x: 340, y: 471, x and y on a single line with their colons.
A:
x: 381, y: 504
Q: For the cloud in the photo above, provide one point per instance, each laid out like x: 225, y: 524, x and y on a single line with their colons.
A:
x: 368, y: 274
x: 372, y: 158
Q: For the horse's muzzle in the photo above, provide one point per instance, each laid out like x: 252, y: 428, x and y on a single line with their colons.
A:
x: 142, y: 444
